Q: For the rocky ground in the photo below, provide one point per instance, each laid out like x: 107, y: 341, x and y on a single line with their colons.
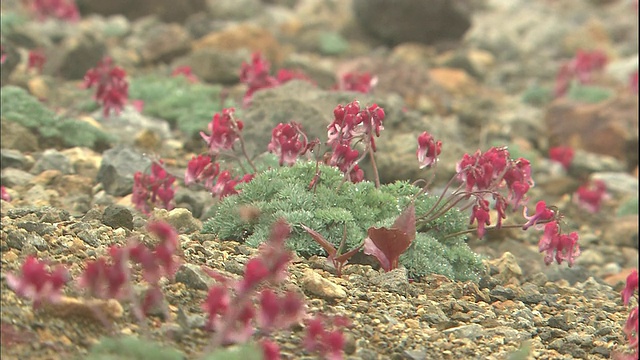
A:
x: 480, y: 79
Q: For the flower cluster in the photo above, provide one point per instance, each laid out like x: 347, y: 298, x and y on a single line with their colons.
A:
x: 580, y: 68
x: 154, y: 189
x: 565, y: 246
x: 323, y: 339
x: 288, y: 141
x: 186, y: 72
x: 256, y: 76
x: 352, y: 124
x: 37, y: 283
x: 232, y: 314
x: 111, y: 278
x: 484, y: 174
x: 59, y: 9
x: 112, y: 89
x: 590, y: 196
x: 225, y: 131
x: 358, y: 82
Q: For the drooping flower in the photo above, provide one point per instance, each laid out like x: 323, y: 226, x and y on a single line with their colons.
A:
x: 428, y: 150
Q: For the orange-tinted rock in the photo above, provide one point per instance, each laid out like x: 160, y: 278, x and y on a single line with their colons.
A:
x: 608, y: 128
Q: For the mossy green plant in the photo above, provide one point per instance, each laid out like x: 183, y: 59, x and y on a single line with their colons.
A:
x: 588, y: 93
x: 332, y: 207
x: 20, y: 107
x: 132, y: 348
x: 187, y: 106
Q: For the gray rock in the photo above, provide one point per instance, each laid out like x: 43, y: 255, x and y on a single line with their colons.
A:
x: 163, y: 42
x: 52, y: 159
x: 620, y: 183
x: 396, y: 281
x: 471, y: 331
x: 180, y: 218
x: 75, y: 55
x: 117, y: 216
x: 167, y: 10
x: 37, y: 227
x: 397, y: 21
x: 18, y: 137
x: 215, y: 65
x: 13, y: 158
x: 12, y: 177
x: 130, y: 123
x: 193, y: 277
x: 117, y: 169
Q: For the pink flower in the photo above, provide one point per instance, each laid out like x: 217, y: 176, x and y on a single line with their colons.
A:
x: 186, y: 72
x: 631, y: 329
x: 270, y: 350
x: 225, y: 130
x: 216, y: 304
x: 480, y: 213
x: 543, y: 213
x: 562, y: 154
x: 107, y: 280
x: 328, y: 343
x: 428, y: 150
x: 288, y: 141
x: 155, y: 189
x: 36, y: 60
x: 581, y: 67
x: 37, y: 283
x: 565, y: 246
x: 630, y: 287
x: 112, y: 88
x: 4, y: 195
x: 633, y: 82
x: 201, y: 169
x: 60, y: 9
x: 590, y: 196
x: 359, y: 82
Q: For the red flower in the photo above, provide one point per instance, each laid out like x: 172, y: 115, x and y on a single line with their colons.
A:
x: 38, y: 283
x: 480, y: 213
x: 36, y: 60
x: 630, y: 287
x: 562, y: 154
x: 201, y: 169
x: 186, y: 72
x: 359, y: 82
x: 225, y: 130
x: 4, y: 195
x: 60, y: 9
x: 288, y: 141
x: 565, y: 246
x: 428, y: 150
x: 590, y: 196
x: 112, y: 88
x: 542, y: 213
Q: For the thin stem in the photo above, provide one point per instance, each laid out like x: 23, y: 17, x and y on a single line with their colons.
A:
x: 244, y: 152
x: 375, y: 167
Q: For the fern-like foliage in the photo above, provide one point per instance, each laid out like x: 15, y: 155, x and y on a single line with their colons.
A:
x: 186, y: 106
x: 333, y: 206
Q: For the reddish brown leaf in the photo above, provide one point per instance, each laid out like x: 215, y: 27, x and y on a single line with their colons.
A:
x: 326, y: 245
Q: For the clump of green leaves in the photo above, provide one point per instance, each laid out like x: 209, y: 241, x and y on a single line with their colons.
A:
x: 132, y: 348
x: 588, y: 93
x: 186, y: 106
x: 334, y: 207
x: 20, y: 107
